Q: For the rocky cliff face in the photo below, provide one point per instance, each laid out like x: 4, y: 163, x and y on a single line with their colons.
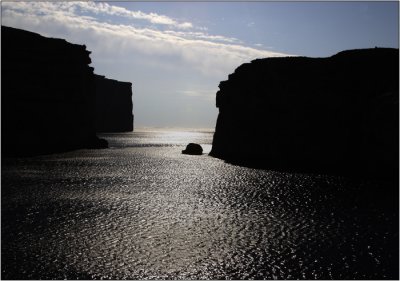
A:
x: 113, y: 105
x: 334, y: 115
x: 48, y: 95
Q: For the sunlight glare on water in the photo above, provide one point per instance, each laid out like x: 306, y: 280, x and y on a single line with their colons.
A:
x: 163, y: 138
x: 144, y: 210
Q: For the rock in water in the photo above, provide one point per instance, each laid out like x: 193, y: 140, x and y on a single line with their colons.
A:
x: 193, y: 149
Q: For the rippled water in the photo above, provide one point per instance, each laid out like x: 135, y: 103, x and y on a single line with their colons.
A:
x: 143, y: 210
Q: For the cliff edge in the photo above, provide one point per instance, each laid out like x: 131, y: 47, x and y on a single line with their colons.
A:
x: 113, y: 105
x: 328, y: 115
x: 48, y: 97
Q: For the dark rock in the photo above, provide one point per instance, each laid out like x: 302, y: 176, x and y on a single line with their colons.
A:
x: 333, y: 115
x: 113, y: 105
x: 193, y: 149
x: 48, y: 95
x: 97, y: 143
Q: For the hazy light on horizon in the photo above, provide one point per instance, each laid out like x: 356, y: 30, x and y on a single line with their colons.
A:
x: 175, y: 54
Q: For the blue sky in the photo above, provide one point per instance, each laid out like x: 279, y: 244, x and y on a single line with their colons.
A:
x: 176, y: 53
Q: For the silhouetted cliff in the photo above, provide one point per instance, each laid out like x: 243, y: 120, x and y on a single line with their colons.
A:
x: 334, y: 115
x: 48, y: 95
x: 113, y: 105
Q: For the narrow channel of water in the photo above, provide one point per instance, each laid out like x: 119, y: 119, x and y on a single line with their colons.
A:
x: 143, y: 210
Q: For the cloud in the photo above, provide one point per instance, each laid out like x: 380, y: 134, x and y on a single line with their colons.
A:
x: 107, y: 9
x: 173, y: 64
x: 203, y: 94
x: 205, y: 36
x: 95, y: 8
x: 77, y: 22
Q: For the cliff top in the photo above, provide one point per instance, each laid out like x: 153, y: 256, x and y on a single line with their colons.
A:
x: 20, y: 38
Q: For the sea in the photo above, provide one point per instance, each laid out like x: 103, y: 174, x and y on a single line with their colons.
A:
x: 143, y: 210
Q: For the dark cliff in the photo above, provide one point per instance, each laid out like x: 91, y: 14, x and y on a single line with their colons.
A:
x: 332, y: 115
x: 48, y: 95
x: 113, y: 105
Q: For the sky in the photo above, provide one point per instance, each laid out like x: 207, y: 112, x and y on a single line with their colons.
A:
x: 176, y: 53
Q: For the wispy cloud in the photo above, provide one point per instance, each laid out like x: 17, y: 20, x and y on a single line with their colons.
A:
x: 77, y: 22
x: 173, y: 64
x: 204, y: 36
x: 204, y: 94
x: 95, y: 8
x: 107, y: 9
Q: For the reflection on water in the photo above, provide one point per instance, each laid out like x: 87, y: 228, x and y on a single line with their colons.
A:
x: 143, y: 210
x: 162, y: 138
